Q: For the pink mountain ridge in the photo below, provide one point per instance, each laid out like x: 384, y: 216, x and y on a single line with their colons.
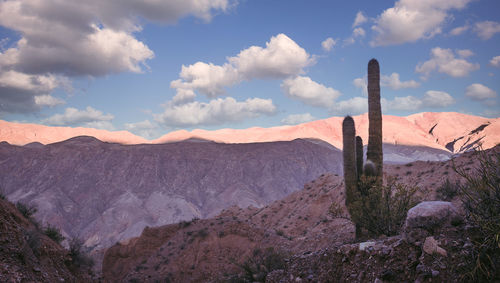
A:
x: 450, y: 131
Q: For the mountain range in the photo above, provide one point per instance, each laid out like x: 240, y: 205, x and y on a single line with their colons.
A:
x: 447, y: 131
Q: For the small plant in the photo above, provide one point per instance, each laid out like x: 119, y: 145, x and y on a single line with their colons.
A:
x: 79, y: 257
x: 448, y: 190
x: 480, y: 194
x: 261, y: 263
x: 25, y: 210
x: 381, y: 209
x: 32, y: 237
x: 54, y: 233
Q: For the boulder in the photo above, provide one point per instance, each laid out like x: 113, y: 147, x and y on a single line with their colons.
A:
x: 428, y: 217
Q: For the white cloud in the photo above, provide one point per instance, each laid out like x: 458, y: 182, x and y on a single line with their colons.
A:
x: 295, y: 119
x: 479, y: 92
x: 281, y: 58
x: 353, y: 106
x: 487, y: 29
x: 393, y: 82
x: 434, y: 98
x: 208, y: 79
x: 411, y: 20
x: 47, y: 100
x: 81, y: 38
x: 88, y: 117
x: 464, y: 53
x: 144, y: 128
x: 99, y: 52
x: 406, y: 103
x: 444, y: 61
x: 495, y: 61
x: 360, y: 19
x: 459, y: 30
x: 310, y: 92
x: 19, y: 91
x: 362, y: 84
x: 215, y: 112
x: 358, y: 32
x: 328, y: 44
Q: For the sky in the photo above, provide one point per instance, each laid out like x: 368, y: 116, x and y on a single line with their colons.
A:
x: 151, y: 67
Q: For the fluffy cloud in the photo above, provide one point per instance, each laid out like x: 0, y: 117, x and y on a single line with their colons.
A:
x: 362, y: 84
x: 144, y: 128
x: 353, y: 106
x: 328, y: 44
x: 81, y: 38
x: 411, y: 20
x: 444, y: 61
x: 309, y: 92
x: 479, y: 92
x: 495, y: 61
x: 281, y: 58
x: 358, y: 32
x: 393, y: 82
x: 215, y: 112
x: 433, y: 98
x: 459, y: 30
x: 88, y: 117
x: 464, y: 53
x: 21, y: 92
x: 47, y: 100
x: 295, y: 119
x: 360, y: 19
x: 208, y: 79
x: 406, y: 103
x: 487, y: 29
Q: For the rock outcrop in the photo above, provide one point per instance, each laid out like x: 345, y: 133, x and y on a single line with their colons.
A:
x: 28, y: 255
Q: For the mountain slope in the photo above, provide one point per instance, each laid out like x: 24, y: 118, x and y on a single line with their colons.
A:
x: 106, y: 192
x: 28, y: 255
x: 22, y: 134
x: 413, y: 130
x: 448, y: 131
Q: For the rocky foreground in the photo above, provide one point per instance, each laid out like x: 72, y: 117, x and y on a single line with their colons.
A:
x: 306, y: 241
x: 28, y: 255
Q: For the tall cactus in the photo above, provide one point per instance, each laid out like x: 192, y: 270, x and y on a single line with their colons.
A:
x: 349, y: 154
x: 374, y: 151
x: 359, y: 156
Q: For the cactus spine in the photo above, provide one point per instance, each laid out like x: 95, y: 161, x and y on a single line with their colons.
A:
x: 359, y: 156
x: 349, y: 154
x: 374, y: 151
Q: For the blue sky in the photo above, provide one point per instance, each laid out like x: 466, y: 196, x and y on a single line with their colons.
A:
x: 156, y: 66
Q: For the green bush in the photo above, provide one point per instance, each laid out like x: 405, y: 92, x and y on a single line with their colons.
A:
x: 26, y: 211
x: 380, y: 209
x: 54, y: 233
x: 448, y: 190
x: 262, y: 262
x: 481, y: 199
x: 79, y: 257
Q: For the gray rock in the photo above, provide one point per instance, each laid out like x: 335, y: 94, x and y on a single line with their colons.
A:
x: 427, y: 217
x: 431, y: 247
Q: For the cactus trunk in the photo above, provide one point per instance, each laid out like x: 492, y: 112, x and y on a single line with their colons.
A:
x: 349, y: 154
x: 359, y: 156
x: 374, y: 151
